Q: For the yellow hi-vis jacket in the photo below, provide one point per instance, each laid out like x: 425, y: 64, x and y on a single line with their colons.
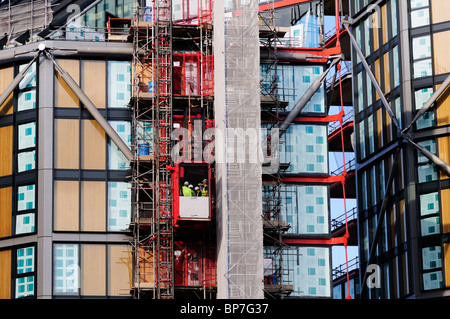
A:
x: 187, y: 191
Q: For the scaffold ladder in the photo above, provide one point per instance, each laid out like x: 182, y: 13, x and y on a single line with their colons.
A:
x: 163, y: 125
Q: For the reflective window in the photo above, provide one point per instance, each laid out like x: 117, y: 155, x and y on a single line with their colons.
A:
x: 25, y: 197
x: 421, y: 97
x: 66, y: 269
x: 119, y: 84
x: 429, y: 205
x: 117, y: 159
x: 27, y: 135
x: 26, y: 157
x: 294, y: 81
x: 27, y: 89
x: 304, y: 208
x: 306, y: 268
x: 421, y: 47
x: 361, y: 139
x: 426, y: 171
x: 432, y: 260
x: 91, y: 270
x: 420, y: 13
x: 305, y: 137
x: 25, y: 264
x: 119, y: 206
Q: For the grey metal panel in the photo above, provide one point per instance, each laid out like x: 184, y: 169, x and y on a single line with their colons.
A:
x: 45, y: 178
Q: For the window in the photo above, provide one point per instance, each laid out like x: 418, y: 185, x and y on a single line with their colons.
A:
x: 307, y: 269
x: 25, y: 198
x: 420, y: 13
x: 119, y: 206
x: 26, y: 157
x: 361, y: 139
x: 117, y: 160
x: 306, y: 152
x: 360, y: 92
x: 421, y: 48
x: 432, y: 265
x: 426, y: 171
x: 421, y: 97
x: 26, y: 99
x: 66, y: 269
x: 119, y: 84
x: 24, y: 272
x: 429, y: 213
x: 91, y: 210
x: 91, y: 269
x: 294, y: 82
x: 18, y: 272
x: 305, y: 208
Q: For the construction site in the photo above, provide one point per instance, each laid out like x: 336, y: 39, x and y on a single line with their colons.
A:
x: 171, y: 149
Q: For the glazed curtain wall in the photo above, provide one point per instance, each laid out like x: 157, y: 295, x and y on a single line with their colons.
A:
x: 18, y: 141
x: 429, y: 32
x: 90, y: 189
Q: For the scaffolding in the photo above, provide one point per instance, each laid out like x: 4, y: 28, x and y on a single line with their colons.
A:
x: 161, y: 86
x: 151, y: 34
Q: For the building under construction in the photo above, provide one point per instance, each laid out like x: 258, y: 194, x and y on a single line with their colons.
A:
x: 169, y: 149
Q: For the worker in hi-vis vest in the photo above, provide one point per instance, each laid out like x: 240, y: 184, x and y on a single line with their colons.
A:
x: 191, y: 188
x: 204, y: 188
x: 186, y: 189
x: 197, y: 191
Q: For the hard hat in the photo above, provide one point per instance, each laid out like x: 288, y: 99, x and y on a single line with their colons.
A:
x: 190, y: 186
x: 186, y: 183
x: 196, y: 188
x: 204, y: 181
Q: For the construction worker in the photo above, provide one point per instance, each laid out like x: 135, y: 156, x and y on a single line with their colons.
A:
x: 204, y: 188
x: 186, y: 189
x: 197, y: 191
x: 191, y: 188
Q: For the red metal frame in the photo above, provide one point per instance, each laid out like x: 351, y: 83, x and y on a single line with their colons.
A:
x: 202, y: 78
x: 280, y: 4
x: 187, y: 224
x: 195, y: 264
x: 194, y: 15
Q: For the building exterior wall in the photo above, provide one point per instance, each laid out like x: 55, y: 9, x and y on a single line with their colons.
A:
x: 402, y: 42
x: 64, y: 197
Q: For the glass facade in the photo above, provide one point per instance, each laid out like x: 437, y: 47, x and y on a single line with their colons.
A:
x: 376, y: 136
x: 90, y: 269
x: 89, y: 192
x: 307, y: 269
x: 305, y: 148
x: 304, y: 208
x: 293, y: 81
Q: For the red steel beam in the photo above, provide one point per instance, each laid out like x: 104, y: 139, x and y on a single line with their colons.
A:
x: 280, y: 4
x: 316, y: 241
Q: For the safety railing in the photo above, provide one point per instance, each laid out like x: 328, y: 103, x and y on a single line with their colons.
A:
x: 333, y: 126
x: 350, y: 165
x: 339, y: 221
x: 341, y: 270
